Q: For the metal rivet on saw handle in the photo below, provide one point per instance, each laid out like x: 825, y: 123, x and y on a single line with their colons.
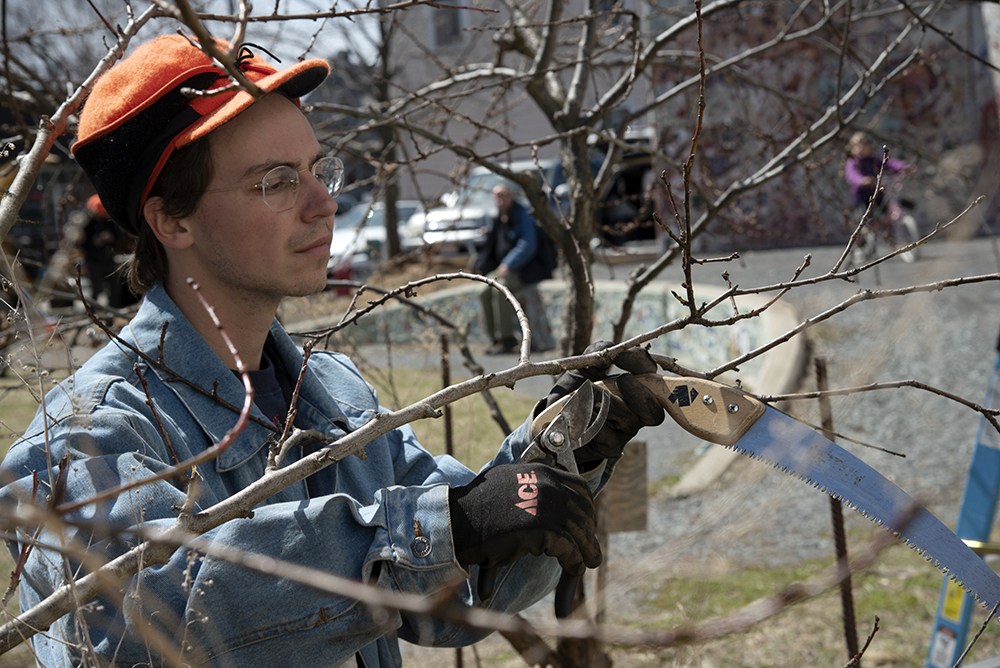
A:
x: 733, y: 408
x: 707, y: 400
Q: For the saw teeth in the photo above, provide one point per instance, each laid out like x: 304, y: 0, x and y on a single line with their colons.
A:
x: 878, y: 521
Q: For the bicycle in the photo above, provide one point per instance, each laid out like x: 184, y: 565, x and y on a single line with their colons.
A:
x: 891, y: 222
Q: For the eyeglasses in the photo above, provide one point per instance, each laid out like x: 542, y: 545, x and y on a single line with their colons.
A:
x: 280, y: 186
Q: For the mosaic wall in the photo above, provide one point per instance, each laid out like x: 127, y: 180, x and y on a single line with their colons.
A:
x: 695, y: 347
x: 939, y: 115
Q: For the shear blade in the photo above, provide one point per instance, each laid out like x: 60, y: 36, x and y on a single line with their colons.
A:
x: 599, y: 419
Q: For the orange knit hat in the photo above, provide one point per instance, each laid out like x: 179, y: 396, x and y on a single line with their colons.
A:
x: 139, y: 112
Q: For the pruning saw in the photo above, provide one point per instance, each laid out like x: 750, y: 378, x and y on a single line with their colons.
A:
x: 730, y: 417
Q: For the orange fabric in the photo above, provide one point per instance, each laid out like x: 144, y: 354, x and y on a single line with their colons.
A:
x: 95, y: 207
x: 137, y: 81
x: 158, y: 67
x: 161, y: 65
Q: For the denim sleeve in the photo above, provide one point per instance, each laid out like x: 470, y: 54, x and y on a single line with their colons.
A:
x: 222, y: 612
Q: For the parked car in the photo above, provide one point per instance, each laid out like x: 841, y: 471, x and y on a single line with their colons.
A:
x: 359, y: 236
x: 460, y: 223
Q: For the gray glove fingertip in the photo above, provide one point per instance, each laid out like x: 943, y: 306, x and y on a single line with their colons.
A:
x: 591, y: 553
x: 571, y: 556
x: 595, y: 346
x: 597, y: 371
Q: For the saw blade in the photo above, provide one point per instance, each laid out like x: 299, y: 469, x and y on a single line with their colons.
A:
x: 796, y: 449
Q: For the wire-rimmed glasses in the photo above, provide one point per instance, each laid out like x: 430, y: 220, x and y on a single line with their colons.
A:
x: 280, y: 186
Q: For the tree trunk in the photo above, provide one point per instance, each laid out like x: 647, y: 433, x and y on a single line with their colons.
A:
x: 578, y: 321
x: 388, y: 137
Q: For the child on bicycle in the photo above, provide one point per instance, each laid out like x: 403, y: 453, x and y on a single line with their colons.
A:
x: 862, y: 169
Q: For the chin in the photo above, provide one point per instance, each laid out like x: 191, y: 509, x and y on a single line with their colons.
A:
x: 309, y: 287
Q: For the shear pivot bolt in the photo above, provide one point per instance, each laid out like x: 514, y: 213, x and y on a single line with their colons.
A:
x: 557, y: 438
x: 733, y: 408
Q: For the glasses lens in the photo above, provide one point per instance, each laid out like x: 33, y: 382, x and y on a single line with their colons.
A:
x: 330, y: 172
x: 280, y: 188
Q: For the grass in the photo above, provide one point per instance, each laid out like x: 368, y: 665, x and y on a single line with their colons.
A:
x: 475, y: 434
x: 902, y: 589
x: 18, y: 405
x: 17, y: 408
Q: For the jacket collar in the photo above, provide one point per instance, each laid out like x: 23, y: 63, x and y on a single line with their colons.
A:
x: 188, y: 355
x: 316, y: 405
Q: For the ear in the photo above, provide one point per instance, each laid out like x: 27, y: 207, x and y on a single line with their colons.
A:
x: 172, y: 232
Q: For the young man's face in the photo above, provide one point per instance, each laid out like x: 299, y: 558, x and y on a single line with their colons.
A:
x: 243, y: 249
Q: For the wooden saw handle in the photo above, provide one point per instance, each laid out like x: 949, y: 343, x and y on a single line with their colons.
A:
x: 712, y: 411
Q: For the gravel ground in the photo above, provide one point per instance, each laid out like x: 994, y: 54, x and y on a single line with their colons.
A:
x: 755, y: 515
x: 946, y: 339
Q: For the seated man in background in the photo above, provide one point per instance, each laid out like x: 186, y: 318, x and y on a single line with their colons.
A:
x: 516, y: 255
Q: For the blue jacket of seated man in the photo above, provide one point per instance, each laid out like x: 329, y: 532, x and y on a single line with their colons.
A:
x: 361, y: 527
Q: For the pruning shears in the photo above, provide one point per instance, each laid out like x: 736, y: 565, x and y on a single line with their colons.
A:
x: 557, y: 432
x: 565, y: 426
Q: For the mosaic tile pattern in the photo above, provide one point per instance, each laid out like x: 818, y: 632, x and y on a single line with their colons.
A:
x: 695, y: 347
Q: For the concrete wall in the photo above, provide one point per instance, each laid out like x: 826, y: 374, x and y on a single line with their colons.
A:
x: 695, y: 347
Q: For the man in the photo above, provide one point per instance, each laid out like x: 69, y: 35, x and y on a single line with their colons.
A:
x: 236, y: 195
x: 101, y: 241
x: 513, y: 255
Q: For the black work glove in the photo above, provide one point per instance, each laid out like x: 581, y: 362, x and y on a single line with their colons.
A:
x: 637, y: 407
x: 509, y: 510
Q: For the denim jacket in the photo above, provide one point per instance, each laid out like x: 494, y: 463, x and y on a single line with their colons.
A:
x: 361, y: 527
x: 512, y: 243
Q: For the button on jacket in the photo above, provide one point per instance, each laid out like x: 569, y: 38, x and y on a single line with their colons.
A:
x: 361, y: 527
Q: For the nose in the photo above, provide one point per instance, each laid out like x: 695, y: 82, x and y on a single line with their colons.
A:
x: 319, y: 202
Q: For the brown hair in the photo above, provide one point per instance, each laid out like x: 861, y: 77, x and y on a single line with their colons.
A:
x: 180, y: 185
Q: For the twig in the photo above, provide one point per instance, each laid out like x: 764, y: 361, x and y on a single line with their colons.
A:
x: 409, y: 290
x: 975, y: 639
x: 856, y: 661
x: 50, y: 129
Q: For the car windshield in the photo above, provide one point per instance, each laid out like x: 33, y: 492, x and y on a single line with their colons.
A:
x: 354, y: 217
x: 374, y: 215
x: 479, y: 191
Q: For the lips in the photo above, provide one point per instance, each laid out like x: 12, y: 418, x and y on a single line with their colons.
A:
x: 319, y: 247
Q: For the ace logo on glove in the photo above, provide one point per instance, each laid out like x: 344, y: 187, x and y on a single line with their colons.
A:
x: 528, y: 491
